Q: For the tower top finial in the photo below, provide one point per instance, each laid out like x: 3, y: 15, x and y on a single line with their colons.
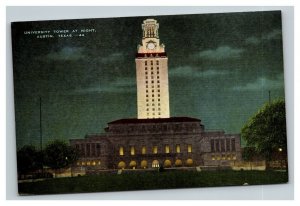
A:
x: 150, y: 28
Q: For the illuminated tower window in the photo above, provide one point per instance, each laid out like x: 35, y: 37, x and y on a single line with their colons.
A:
x: 144, y: 150
x: 178, y: 148
x: 189, y: 148
x: 154, y: 150
x: 121, y: 151
x: 167, y: 149
x: 132, y: 150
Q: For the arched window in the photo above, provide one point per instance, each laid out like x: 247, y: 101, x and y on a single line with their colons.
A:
x: 144, y: 164
x: 155, y: 163
x: 178, y: 163
x: 167, y: 163
x: 132, y: 164
x: 189, y: 162
x: 121, y: 165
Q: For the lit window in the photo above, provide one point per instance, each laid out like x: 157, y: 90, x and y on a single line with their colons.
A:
x: 189, y: 148
x: 155, y: 163
x: 167, y: 149
x: 132, y: 150
x: 154, y: 150
x: 213, y: 157
x: 218, y: 157
x: 88, y: 163
x: 93, y: 163
x: 121, y: 151
x: 178, y: 148
x: 144, y: 150
x: 234, y: 157
x: 223, y: 157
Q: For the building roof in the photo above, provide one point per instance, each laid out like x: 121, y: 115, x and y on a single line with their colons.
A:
x: 158, y: 120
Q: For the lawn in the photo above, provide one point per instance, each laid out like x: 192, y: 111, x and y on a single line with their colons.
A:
x: 151, y: 180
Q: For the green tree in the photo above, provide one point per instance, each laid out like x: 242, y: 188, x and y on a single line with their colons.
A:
x: 266, y: 131
x: 28, y: 159
x: 59, y: 155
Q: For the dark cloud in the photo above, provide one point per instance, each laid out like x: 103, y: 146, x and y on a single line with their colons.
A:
x: 222, y: 52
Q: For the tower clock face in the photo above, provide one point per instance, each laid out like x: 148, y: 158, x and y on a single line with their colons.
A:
x: 150, y: 46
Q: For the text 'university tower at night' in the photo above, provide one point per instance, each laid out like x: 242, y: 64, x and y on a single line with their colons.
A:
x: 154, y: 139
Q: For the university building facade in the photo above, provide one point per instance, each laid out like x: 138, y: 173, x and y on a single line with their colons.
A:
x: 155, y: 139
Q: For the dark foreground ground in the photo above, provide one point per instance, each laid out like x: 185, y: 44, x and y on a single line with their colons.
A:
x: 151, y: 180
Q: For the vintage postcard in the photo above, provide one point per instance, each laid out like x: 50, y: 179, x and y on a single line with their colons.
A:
x: 156, y: 102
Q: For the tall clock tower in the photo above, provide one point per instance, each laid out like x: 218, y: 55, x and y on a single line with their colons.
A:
x: 152, y: 74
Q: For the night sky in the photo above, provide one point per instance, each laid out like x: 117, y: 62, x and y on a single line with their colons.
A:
x: 221, y: 67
